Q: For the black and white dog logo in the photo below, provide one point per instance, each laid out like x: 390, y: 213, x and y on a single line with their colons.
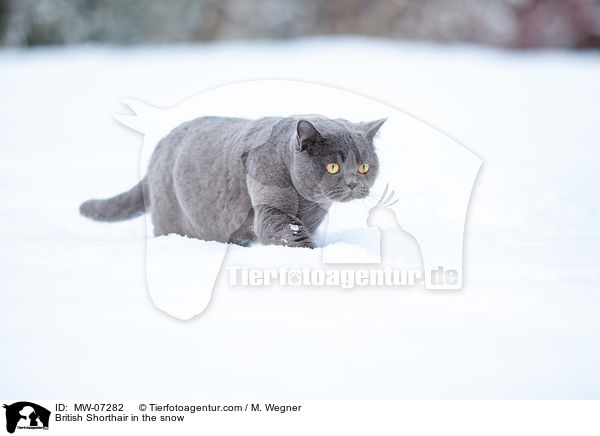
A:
x: 26, y: 415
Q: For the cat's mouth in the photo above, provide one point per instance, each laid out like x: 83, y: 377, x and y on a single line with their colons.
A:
x: 348, y: 195
x: 354, y: 195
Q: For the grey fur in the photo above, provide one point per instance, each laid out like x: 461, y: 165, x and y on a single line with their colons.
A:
x: 238, y: 180
x: 121, y: 207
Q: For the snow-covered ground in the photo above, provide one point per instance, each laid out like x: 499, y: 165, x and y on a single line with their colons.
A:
x: 76, y: 320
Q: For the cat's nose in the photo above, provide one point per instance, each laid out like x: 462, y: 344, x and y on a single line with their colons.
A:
x: 351, y: 185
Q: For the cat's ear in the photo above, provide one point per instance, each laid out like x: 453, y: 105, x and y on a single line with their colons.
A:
x: 306, y: 134
x: 372, y: 128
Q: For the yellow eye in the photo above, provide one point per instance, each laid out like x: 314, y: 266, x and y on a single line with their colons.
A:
x: 363, y: 168
x: 332, y: 168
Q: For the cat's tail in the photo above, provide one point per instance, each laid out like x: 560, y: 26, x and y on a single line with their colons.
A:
x: 124, y: 206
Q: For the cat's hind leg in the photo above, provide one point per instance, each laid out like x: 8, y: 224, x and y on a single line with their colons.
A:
x: 245, y: 234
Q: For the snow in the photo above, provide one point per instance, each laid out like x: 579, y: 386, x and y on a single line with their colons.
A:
x: 76, y: 319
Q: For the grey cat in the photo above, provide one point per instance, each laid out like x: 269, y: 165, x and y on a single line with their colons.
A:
x: 237, y: 180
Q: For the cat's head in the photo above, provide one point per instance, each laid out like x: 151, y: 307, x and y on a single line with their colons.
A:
x: 334, y: 160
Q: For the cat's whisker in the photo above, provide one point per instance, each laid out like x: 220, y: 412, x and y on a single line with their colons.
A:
x: 374, y: 198
x: 308, y: 208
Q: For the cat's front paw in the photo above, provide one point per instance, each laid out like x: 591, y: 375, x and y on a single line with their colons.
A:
x: 302, y: 242
x: 276, y: 227
x: 294, y: 236
x: 299, y: 237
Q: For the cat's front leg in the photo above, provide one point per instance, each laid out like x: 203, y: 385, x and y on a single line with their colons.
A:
x: 273, y: 226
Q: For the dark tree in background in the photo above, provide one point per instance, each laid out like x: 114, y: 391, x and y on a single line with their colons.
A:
x: 506, y: 23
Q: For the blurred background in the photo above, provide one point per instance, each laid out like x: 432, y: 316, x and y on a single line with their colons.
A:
x: 504, y: 23
x: 514, y: 81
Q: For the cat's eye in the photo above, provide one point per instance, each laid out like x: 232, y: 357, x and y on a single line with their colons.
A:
x: 332, y: 168
x: 363, y: 168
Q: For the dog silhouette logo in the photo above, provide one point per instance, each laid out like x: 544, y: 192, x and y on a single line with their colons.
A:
x: 26, y: 415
